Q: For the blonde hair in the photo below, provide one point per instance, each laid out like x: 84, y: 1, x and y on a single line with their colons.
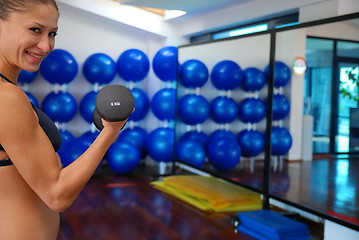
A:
x: 9, y: 6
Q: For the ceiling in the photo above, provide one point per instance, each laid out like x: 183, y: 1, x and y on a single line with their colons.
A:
x: 192, y: 7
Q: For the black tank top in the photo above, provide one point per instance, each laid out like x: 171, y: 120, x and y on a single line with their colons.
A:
x: 47, y: 125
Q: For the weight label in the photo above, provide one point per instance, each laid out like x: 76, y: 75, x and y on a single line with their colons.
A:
x: 113, y: 104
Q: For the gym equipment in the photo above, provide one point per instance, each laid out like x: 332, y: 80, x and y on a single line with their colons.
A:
x: 26, y: 76
x: 160, y: 144
x: 99, y: 68
x: 59, y: 106
x: 281, y: 107
x: 223, y: 153
x: 191, y: 152
x: 193, y: 109
x: 133, y: 65
x: 59, y: 67
x: 222, y: 133
x: 209, y: 193
x: 163, y: 104
x: 254, y: 79
x: 251, y: 142
x: 281, y: 141
x: 91, y: 136
x: 142, y: 104
x: 113, y: 103
x: 32, y: 99
x: 66, y: 136
x: 282, y: 74
x: 224, y: 110
x: 71, y: 150
x: 87, y: 106
x: 165, y: 63
x: 227, y: 75
x: 252, y: 110
x: 193, y: 74
x: 123, y: 157
x: 267, y: 224
x: 137, y: 136
x: 197, y: 136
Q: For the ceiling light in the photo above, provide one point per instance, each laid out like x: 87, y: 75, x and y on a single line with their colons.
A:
x: 170, y: 14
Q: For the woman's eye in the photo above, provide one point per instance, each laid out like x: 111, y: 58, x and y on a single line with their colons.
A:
x: 36, y: 30
x: 53, y: 34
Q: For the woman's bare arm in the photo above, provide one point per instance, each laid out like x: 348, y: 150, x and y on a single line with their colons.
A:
x: 34, y: 157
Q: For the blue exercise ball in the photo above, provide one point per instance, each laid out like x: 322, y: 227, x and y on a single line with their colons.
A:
x: 254, y: 79
x: 87, y: 106
x: 224, y: 110
x: 282, y: 74
x: 26, y: 76
x: 223, y: 153
x: 251, y: 142
x: 193, y: 74
x: 165, y: 63
x: 281, y: 107
x: 193, y: 109
x: 133, y: 65
x: 227, y: 75
x: 59, y: 67
x: 66, y: 136
x: 142, y: 104
x: 59, y: 106
x: 73, y: 149
x: 281, y: 141
x: 90, y: 135
x: 219, y: 133
x: 32, y: 99
x: 194, y: 135
x: 252, y: 110
x: 99, y: 68
x: 190, y: 152
x: 137, y: 136
x: 123, y: 157
x: 160, y: 144
x: 163, y: 104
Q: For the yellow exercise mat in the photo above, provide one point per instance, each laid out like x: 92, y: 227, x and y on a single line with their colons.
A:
x: 209, y: 193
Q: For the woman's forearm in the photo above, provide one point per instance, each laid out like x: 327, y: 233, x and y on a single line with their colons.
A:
x: 74, y: 177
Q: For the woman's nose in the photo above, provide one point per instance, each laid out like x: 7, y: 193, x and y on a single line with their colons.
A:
x: 45, y: 44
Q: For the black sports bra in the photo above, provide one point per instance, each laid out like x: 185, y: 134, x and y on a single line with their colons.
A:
x: 49, y: 128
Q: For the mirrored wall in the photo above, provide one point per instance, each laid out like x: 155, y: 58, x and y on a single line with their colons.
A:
x: 222, y: 123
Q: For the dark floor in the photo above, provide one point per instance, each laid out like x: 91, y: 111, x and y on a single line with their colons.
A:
x: 326, y: 185
x: 126, y: 207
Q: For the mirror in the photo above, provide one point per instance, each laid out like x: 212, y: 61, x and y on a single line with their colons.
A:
x: 208, y: 105
x: 307, y: 115
x: 326, y: 185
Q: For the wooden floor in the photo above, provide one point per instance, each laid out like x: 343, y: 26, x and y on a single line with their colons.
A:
x: 327, y: 185
x: 126, y: 207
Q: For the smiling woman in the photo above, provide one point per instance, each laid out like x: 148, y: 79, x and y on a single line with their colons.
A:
x: 33, y: 186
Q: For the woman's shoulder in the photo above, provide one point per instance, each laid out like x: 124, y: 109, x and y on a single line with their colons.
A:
x: 13, y: 101
x: 10, y: 93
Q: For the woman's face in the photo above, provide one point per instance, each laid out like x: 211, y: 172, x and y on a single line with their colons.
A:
x: 27, y: 37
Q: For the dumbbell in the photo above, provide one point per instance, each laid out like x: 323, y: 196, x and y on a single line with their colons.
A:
x: 114, y: 103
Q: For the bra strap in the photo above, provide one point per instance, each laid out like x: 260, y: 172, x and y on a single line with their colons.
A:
x: 5, y: 78
x: 6, y: 162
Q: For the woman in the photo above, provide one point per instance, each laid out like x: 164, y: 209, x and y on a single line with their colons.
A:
x: 33, y: 187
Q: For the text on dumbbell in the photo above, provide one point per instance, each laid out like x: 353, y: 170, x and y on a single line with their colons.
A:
x: 115, y: 104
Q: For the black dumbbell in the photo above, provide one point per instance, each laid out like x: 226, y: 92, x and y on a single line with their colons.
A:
x: 114, y: 103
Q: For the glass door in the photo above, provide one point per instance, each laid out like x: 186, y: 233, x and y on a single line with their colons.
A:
x: 347, y: 121
x: 331, y: 94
